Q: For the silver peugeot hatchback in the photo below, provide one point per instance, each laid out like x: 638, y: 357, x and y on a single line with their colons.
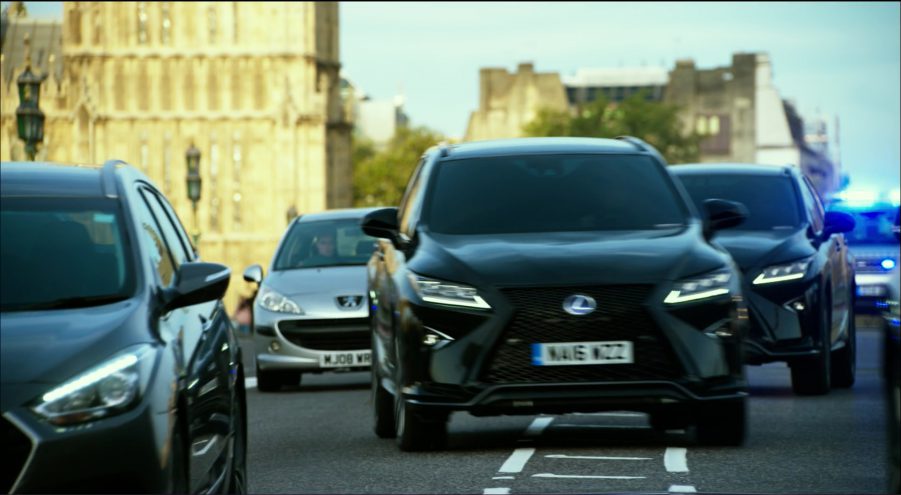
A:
x: 310, y: 313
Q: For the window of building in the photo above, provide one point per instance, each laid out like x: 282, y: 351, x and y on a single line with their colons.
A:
x: 166, y: 24
x: 716, y: 130
x: 215, y: 205
x: 212, y: 21
x: 142, y: 23
x: 237, y: 158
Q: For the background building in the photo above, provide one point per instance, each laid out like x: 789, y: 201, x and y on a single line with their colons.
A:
x: 615, y: 84
x: 373, y: 119
x: 509, y: 101
x: 254, y: 86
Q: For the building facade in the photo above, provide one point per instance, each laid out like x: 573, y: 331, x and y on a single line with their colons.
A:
x: 615, y: 84
x: 508, y: 101
x: 254, y: 86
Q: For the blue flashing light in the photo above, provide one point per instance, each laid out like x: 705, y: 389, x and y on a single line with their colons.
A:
x: 887, y: 264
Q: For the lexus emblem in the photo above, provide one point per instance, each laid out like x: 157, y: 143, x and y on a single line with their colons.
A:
x: 349, y: 302
x: 579, y: 304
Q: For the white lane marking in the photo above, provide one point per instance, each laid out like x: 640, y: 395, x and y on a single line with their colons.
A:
x: 517, y: 461
x: 537, y: 426
x: 250, y: 382
x: 675, y: 461
x: 600, y: 458
x: 614, y: 414
x: 576, y: 476
x: 682, y: 489
x: 497, y: 491
x: 615, y: 427
x: 504, y: 478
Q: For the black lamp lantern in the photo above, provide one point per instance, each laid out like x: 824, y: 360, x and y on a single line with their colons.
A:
x: 29, y: 117
x: 192, y: 157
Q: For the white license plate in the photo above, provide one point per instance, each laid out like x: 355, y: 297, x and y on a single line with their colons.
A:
x: 575, y: 353
x: 344, y: 359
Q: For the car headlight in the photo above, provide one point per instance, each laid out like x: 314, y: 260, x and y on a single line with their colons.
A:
x: 449, y: 293
x: 782, y: 273
x: 273, y: 301
x: 109, y: 388
x: 713, y: 284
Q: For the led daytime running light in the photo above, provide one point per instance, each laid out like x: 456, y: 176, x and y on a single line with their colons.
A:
x: 91, y: 378
x: 676, y: 297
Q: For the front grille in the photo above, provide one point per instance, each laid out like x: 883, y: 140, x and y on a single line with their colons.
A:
x: 620, y: 315
x: 344, y: 334
x: 16, y: 447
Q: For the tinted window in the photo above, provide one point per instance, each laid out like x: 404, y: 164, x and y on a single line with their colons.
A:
x: 324, y: 243
x: 552, y: 193
x: 814, y: 208
x: 173, y: 241
x: 152, y: 238
x: 771, y: 200
x: 63, y: 253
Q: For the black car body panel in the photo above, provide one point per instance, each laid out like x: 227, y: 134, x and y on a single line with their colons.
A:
x: 188, y: 415
x: 786, y: 315
x: 436, y: 358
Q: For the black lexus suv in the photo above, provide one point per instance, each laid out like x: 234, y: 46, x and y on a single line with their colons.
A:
x: 798, y: 272
x: 121, y: 372
x: 553, y: 275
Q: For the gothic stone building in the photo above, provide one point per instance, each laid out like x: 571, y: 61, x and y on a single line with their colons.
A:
x: 254, y: 86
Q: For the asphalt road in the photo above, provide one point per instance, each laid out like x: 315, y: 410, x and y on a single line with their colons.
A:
x: 317, y: 438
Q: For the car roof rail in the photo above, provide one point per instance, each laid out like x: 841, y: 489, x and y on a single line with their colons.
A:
x: 443, y: 149
x: 634, y: 141
x: 108, y: 177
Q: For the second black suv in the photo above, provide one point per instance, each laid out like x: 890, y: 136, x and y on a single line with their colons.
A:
x: 553, y: 275
x: 798, y: 272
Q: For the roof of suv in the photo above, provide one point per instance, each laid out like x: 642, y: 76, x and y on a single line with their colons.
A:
x: 50, y: 179
x: 730, y: 168
x: 519, y: 146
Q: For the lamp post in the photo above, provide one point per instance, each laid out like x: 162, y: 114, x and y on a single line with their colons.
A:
x: 29, y: 117
x: 192, y: 157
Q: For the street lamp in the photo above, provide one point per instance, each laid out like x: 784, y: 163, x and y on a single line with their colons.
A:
x: 291, y: 214
x: 29, y: 117
x: 192, y: 157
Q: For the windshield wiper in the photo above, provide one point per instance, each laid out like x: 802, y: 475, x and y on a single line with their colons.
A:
x: 68, y: 303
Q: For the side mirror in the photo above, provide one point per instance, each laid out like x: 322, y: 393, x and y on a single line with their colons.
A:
x: 197, y: 282
x: 381, y: 223
x: 254, y: 273
x: 836, y: 222
x: 722, y: 214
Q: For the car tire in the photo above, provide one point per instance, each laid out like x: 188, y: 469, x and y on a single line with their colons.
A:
x: 812, y: 376
x: 844, y: 360
x: 382, y: 409
x: 178, y: 464
x: 723, y: 424
x: 416, y: 433
x: 237, y: 481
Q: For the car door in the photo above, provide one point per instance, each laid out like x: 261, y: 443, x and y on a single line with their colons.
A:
x: 835, y: 251
x: 207, y: 361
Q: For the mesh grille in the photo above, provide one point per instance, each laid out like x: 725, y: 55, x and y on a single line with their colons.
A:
x: 620, y: 315
x: 344, y: 334
x: 16, y: 447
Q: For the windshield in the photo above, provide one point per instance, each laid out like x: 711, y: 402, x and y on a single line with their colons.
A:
x: 62, y: 253
x: 771, y: 200
x: 324, y: 243
x: 552, y: 193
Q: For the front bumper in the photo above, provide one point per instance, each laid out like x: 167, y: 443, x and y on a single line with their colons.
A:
x: 312, y: 344
x: 87, y: 458
x: 784, y: 320
x: 562, y: 398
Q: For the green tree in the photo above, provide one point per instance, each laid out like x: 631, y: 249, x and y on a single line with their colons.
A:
x: 655, y: 122
x: 380, y: 176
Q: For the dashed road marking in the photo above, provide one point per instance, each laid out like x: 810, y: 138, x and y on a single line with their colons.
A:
x: 613, y: 414
x: 250, y: 382
x: 504, y: 478
x: 577, y: 476
x: 496, y: 491
x: 611, y: 427
x: 682, y: 489
x: 600, y: 458
x: 517, y: 461
x: 674, y: 460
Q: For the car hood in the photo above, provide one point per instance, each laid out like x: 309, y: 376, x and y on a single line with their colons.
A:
x: 42, y: 349
x: 567, y: 258
x: 336, y: 280
x: 755, y: 249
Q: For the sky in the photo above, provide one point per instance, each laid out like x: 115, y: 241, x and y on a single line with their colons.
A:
x: 833, y: 59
